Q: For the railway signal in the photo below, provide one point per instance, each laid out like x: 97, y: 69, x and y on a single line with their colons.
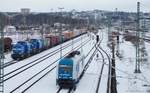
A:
x: 97, y: 38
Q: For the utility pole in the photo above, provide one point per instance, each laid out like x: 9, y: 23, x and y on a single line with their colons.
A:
x: 60, y: 32
x: 95, y: 18
x: 71, y: 27
x: 118, y: 26
x: 109, y: 27
x: 51, y: 22
x: 137, y: 66
x: 25, y: 26
x: 42, y: 30
x: 1, y: 56
x: 143, y: 28
x: 118, y: 33
x: 81, y: 36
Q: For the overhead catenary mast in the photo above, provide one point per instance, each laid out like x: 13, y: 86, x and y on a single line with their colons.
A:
x: 137, y: 65
x: 1, y: 56
x: 71, y: 28
x: 60, y: 32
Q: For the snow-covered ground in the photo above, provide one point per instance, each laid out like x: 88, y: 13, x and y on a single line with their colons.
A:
x: 17, y: 80
x: 87, y: 84
x: 127, y: 80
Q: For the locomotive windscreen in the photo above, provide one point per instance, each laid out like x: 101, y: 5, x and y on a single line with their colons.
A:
x: 65, y: 68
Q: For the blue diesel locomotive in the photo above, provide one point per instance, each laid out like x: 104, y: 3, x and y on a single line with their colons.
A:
x: 24, y: 49
x: 37, y: 45
x: 21, y: 50
x: 69, y: 70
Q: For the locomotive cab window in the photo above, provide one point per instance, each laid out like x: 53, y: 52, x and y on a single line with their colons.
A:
x: 65, y: 68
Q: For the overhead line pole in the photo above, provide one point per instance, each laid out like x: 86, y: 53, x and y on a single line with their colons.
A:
x: 71, y: 27
x: 1, y: 55
x: 60, y: 33
x: 137, y: 65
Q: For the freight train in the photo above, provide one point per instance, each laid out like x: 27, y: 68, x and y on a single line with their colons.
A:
x: 24, y: 49
x: 69, y: 70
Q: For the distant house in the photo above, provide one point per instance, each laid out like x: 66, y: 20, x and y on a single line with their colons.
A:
x: 9, y: 29
x: 25, y: 11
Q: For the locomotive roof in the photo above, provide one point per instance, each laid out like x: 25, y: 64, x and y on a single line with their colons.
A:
x: 72, y: 54
x: 71, y: 59
x: 22, y: 42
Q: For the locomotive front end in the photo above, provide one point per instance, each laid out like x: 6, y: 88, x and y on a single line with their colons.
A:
x: 65, y: 73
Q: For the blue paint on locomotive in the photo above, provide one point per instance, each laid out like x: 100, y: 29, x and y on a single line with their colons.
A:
x: 69, y: 70
x: 27, y: 46
x: 17, y: 49
x: 37, y: 44
x: 21, y: 50
x: 65, y: 68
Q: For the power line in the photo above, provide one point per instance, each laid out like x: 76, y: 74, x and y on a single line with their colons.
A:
x: 146, y: 81
x: 145, y: 6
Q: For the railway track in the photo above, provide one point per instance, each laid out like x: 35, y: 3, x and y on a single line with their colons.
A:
x: 30, y: 64
x: 14, y: 61
x: 109, y: 71
x: 55, y: 67
x: 103, y: 63
x: 61, y: 90
x: 146, y: 40
x: 102, y: 52
x: 101, y: 72
x: 9, y: 63
x: 78, y: 47
x: 70, y: 90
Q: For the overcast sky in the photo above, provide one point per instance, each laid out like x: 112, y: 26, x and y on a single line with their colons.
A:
x: 48, y: 5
